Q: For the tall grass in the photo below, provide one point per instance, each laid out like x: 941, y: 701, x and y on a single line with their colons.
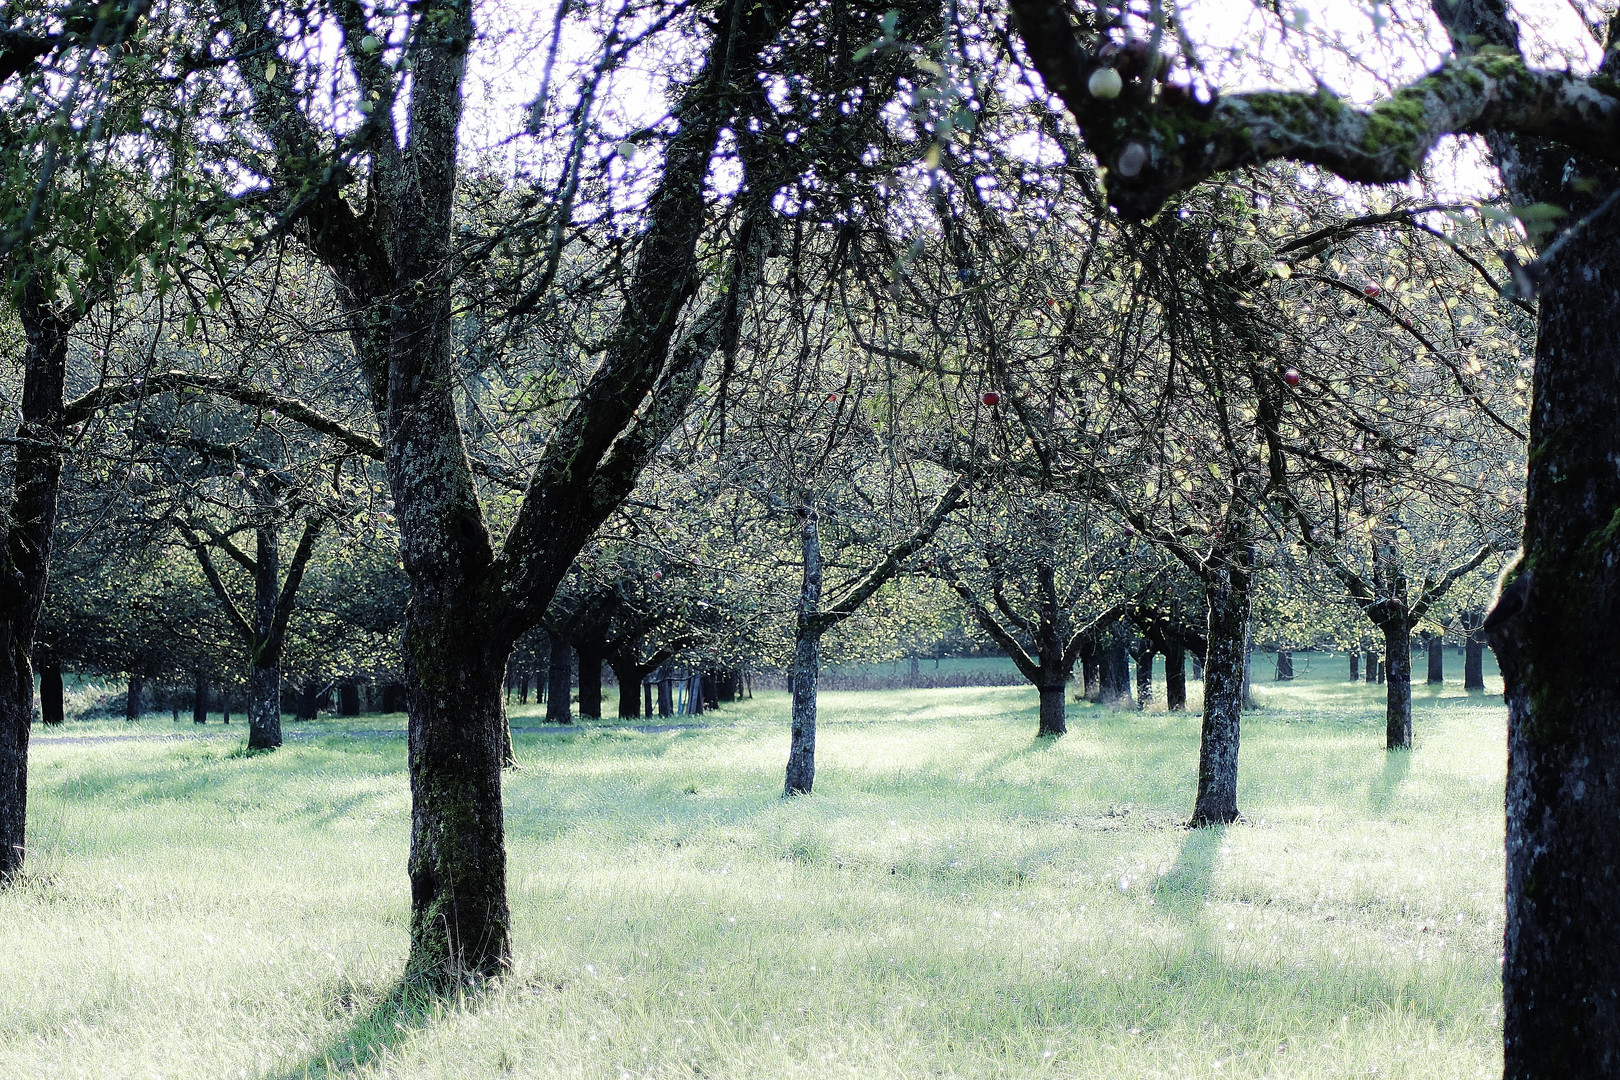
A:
x: 957, y: 899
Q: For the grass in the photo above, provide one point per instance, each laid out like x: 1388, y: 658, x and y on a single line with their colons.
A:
x: 957, y: 899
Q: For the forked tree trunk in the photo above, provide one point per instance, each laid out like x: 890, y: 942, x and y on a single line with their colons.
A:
x: 1397, y: 683
x: 1175, y: 676
x: 1473, y: 652
x: 51, y: 694
x: 1556, y: 632
x: 1053, y: 709
x: 559, y: 679
x: 1227, y: 591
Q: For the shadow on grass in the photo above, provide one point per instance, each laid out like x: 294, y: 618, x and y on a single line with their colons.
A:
x: 1183, y: 890
x: 373, y: 1031
x: 1397, y: 763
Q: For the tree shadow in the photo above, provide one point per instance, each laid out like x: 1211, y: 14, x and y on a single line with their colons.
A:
x: 1397, y: 763
x: 1184, y: 888
x: 374, y: 1028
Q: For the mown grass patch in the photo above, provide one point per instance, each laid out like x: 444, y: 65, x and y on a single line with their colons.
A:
x: 957, y: 899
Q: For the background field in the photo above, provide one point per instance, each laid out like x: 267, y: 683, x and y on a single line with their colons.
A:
x: 957, y: 899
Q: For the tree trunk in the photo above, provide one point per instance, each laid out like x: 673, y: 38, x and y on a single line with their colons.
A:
x: 348, y: 699
x: 1197, y: 666
x: 914, y: 677
x: 1372, y: 666
x: 801, y: 766
x: 558, y: 679
x: 1473, y: 652
x: 25, y: 557
x: 1383, y: 668
x: 1114, y: 675
x: 1285, y: 665
x: 1144, y: 678
x: 666, y: 694
x: 460, y: 923
x: 1435, y: 653
x: 264, y: 708
x: 225, y: 706
x: 51, y: 693
x: 1227, y: 591
x: 199, y: 700
x: 1248, y: 669
x: 590, y: 682
x: 1556, y: 632
x: 1091, y: 669
x: 134, y: 701
x: 1175, y: 675
x: 1053, y: 709
x: 309, y: 703
x: 1355, y: 667
x: 1398, y: 682
x: 628, y: 675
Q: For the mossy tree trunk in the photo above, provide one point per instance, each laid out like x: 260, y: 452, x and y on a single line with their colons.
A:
x: 1556, y: 633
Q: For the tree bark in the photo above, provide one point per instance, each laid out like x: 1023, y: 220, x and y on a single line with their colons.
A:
x: 559, y: 677
x: 1091, y: 669
x: 1227, y: 591
x: 1556, y: 632
x: 1285, y: 665
x: 590, y: 681
x: 1372, y: 666
x: 264, y: 708
x: 1398, y: 680
x: 134, y: 699
x: 1473, y: 651
x: 1355, y: 667
x: 1434, y: 651
x: 1175, y: 675
x: 51, y: 693
x: 628, y: 675
x: 801, y: 767
x: 1053, y: 709
x: 1144, y: 678
x: 199, y: 700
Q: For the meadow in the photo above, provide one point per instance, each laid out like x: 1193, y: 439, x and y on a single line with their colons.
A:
x: 957, y: 899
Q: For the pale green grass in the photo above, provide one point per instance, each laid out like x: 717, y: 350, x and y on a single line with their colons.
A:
x: 957, y: 899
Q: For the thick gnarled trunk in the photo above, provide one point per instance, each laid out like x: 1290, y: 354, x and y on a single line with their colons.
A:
x: 460, y: 924
x: 1226, y: 589
x: 1556, y: 632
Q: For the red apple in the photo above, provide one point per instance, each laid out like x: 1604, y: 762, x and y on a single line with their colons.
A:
x: 1371, y: 289
x: 1291, y: 377
x: 991, y: 398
